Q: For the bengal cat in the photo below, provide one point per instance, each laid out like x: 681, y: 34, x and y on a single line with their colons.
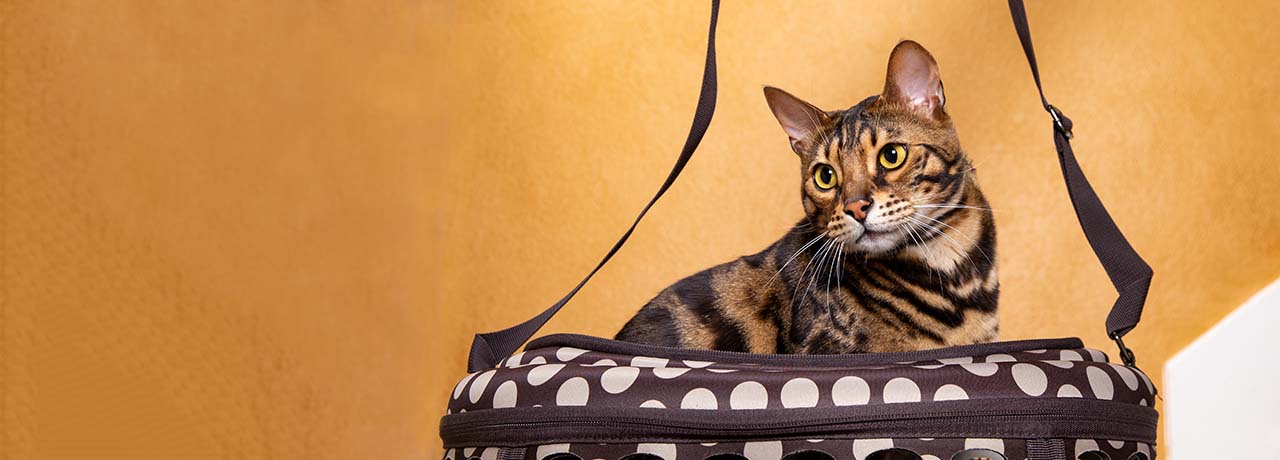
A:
x: 896, y: 251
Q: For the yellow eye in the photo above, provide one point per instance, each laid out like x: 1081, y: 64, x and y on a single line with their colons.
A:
x: 893, y: 155
x: 824, y: 177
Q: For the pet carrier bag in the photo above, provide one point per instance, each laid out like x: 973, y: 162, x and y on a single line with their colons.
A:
x: 572, y: 397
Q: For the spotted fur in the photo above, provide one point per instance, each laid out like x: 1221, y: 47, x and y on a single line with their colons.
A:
x: 887, y: 259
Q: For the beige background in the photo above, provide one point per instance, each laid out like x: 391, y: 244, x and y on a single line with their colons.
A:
x: 268, y: 229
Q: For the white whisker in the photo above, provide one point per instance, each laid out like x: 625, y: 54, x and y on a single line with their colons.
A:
x: 840, y: 269
x: 921, y: 243
x: 836, y: 268
x: 958, y: 232
x: 952, y: 206
x: 793, y: 257
x: 822, y: 254
x: 955, y: 245
x: 831, y: 271
x: 817, y: 255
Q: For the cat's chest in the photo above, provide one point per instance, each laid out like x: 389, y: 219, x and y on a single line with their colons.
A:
x: 875, y: 335
x: 881, y: 308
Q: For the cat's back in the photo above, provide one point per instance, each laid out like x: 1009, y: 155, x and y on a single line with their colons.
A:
x: 726, y: 307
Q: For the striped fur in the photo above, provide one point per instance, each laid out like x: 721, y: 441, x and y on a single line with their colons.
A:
x: 916, y: 271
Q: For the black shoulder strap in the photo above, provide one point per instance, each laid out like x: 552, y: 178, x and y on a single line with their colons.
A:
x: 488, y: 348
x: 1128, y: 272
x: 1130, y: 275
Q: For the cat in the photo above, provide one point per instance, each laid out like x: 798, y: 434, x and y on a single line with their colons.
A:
x: 896, y: 251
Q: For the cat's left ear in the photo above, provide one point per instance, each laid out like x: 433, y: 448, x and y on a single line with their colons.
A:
x: 913, y: 79
x: 800, y: 119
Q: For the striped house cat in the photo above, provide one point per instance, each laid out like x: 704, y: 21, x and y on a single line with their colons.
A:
x: 896, y: 251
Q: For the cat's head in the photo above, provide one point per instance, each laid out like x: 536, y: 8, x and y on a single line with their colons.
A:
x: 875, y: 174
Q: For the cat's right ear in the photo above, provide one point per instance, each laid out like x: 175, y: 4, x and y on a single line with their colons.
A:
x: 800, y: 119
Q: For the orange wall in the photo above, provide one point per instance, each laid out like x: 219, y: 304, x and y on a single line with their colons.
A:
x: 268, y: 229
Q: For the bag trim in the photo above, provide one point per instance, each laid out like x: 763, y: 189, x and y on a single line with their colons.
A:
x: 637, y: 349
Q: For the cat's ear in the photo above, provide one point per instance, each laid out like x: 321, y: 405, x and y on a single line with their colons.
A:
x: 800, y: 119
x: 913, y: 79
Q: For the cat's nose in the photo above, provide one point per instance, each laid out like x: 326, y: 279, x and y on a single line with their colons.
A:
x: 857, y: 209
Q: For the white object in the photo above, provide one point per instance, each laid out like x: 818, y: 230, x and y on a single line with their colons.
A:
x: 1222, y: 392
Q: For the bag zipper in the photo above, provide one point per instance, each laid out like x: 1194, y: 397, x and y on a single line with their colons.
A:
x: 1014, y: 418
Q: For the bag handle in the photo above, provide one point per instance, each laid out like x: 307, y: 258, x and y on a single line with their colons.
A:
x: 1128, y: 272
x: 1130, y: 275
x: 487, y: 349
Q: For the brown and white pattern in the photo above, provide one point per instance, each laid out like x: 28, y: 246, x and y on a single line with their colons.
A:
x: 566, y: 376
x: 858, y: 449
x: 564, y: 373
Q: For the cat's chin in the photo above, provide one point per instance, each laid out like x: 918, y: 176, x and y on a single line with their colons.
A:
x: 877, y: 243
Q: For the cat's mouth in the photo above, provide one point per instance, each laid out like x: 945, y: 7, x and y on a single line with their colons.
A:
x: 858, y: 234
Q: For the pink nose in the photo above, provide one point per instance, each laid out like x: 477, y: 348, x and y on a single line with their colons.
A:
x: 858, y: 209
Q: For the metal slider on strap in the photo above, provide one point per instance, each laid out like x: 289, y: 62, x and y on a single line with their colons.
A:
x: 1057, y: 121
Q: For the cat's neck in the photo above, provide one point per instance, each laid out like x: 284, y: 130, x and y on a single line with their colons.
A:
x: 957, y: 238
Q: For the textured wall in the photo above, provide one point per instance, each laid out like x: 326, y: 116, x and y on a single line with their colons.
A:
x: 268, y: 229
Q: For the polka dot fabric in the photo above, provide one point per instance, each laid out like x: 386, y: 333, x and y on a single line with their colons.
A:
x: 560, y: 384
x: 567, y: 376
x: 849, y: 448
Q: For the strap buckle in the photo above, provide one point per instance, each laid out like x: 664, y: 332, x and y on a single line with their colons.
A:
x: 1126, y: 354
x: 1057, y: 121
